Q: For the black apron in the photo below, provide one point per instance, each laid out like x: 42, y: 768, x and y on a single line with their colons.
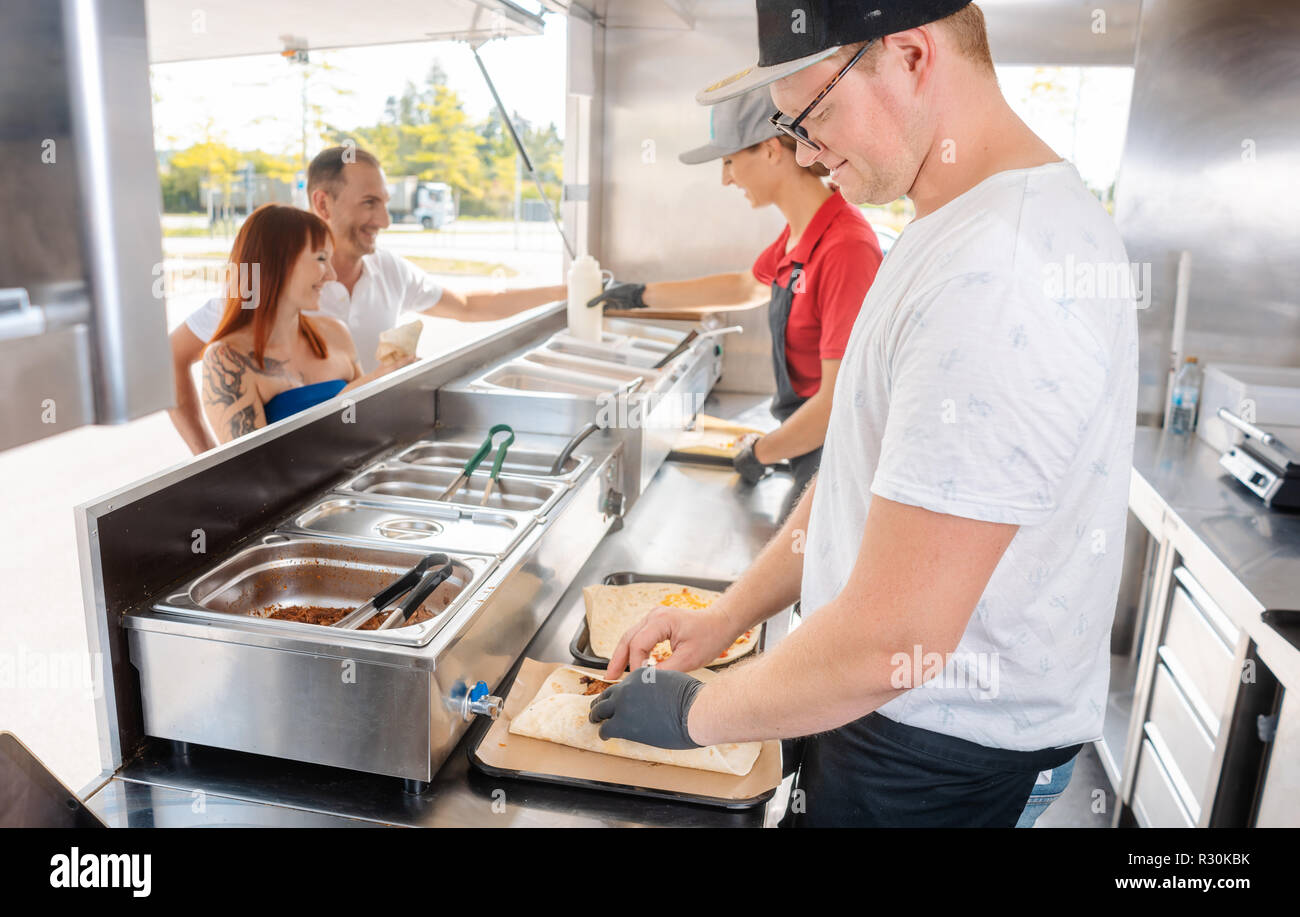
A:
x: 787, y: 400
x: 877, y: 773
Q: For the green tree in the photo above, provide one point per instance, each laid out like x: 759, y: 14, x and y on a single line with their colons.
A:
x: 426, y: 132
x: 213, y: 164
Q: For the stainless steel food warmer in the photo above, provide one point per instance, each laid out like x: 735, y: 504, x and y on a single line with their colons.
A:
x: 200, y: 582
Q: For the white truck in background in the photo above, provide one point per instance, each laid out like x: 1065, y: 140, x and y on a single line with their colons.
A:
x: 432, y: 204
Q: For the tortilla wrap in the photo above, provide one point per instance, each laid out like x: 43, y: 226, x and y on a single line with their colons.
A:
x: 399, y: 342
x: 611, y: 610
x: 559, y: 713
x: 712, y: 436
x: 708, y: 442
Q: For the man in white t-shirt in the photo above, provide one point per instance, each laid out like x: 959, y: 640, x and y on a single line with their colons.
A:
x: 958, y: 557
x: 346, y: 188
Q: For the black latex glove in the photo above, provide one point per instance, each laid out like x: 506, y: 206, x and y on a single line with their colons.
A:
x: 649, y: 706
x: 747, y: 464
x: 619, y: 296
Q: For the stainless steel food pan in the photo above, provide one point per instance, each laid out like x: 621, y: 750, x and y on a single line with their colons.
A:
x: 536, y: 379
x: 423, y: 484
x: 288, y: 572
x: 437, y: 527
x: 519, y: 461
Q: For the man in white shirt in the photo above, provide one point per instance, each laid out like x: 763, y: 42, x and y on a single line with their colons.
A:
x: 346, y: 188
x: 958, y: 557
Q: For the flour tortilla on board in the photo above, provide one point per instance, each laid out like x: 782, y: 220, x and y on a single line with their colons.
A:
x: 718, y: 443
x: 559, y: 713
x: 713, y: 437
x: 399, y: 342
x: 611, y: 610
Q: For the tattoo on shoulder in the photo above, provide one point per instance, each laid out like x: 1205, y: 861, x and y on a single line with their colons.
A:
x: 224, y: 371
x: 244, y: 421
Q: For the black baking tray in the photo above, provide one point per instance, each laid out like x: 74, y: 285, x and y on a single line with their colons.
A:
x: 482, y: 728
x: 720, y: 461
x: 694, y: 458
x: 580, y: 648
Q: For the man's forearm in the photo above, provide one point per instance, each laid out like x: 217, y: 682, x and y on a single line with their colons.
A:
x: 829, y: 671
x: 485, y: 307
x: 772, y: 582
x: 187, y: 416
x: 905, y: 605
x: 802, y: 432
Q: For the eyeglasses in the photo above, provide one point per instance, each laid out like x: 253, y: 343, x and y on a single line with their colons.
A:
x: 794, y: 128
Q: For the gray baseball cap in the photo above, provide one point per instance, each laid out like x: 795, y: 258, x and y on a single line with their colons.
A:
x: 736, y: 125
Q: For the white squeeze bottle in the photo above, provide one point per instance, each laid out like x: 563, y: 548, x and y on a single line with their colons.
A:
x: 584, y: 284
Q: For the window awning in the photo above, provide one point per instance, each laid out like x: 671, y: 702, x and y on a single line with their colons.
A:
x: 235, y: 28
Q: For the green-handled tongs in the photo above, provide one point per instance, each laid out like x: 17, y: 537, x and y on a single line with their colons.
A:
x: 477, y: 459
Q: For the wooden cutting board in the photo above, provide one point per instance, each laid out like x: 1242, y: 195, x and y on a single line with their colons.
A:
x: 502, y: 753
x: 712, y: 436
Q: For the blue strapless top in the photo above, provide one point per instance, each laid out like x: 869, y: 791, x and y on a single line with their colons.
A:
x: 286, y: 404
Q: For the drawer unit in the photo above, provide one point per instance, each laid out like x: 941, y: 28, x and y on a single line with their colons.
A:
x: 1199, y: 659
x: 1214, y: 615
x: 1185, y: 747
x: 1156, y: 803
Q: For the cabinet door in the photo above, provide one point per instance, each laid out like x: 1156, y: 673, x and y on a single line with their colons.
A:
x: 1279, y: 803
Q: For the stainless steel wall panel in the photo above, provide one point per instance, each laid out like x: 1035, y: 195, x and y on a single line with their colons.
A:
x: 65, y: 399
x: 81, y: 234
x: 121, y: 204
x: 662, y: 220
x: 1210, y: 165
x: 1078, y: 33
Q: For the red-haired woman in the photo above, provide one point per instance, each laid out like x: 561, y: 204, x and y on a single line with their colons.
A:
x: 267, y: 360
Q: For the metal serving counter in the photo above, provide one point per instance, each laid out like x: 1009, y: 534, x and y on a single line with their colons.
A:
x: 169, y: 785
x: 1206, y: 730
x: 1249, y: 553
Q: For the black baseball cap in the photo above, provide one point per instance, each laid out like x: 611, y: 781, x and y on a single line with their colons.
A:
x: 794, y: 34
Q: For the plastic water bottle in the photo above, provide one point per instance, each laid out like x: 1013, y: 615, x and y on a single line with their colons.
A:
x: 584, y: 285
x: 1187, y: 391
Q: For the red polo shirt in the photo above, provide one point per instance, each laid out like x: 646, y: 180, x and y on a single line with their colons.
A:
x: 840, y: 255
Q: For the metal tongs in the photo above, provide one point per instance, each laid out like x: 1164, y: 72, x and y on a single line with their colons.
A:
x: 477, y: 459
x: 691, y: 338
x: 416, y: 584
